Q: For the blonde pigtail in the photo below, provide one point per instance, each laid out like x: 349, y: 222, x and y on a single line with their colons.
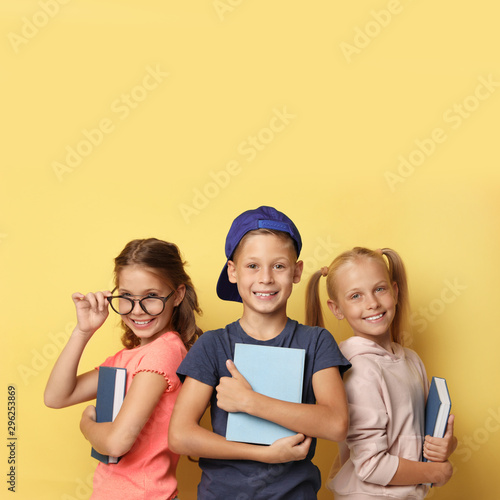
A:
x: 397, y: 273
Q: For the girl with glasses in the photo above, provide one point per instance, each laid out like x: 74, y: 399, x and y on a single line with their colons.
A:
x: 157, y: 303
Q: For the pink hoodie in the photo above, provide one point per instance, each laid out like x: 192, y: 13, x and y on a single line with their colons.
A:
x: 386, y: 394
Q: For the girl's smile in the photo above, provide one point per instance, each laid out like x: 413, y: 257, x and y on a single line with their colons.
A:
x: 366, y: 299
x: 140, y: 324
x: 375, y: 318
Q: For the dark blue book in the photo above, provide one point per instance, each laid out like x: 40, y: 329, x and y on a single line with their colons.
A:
x: 437, y: 408
x: 277, y: 372
x: 110, y: 396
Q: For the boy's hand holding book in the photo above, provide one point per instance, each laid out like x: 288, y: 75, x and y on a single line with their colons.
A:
x: 233, y: 392
x: 289, y: 449
x: 266, y: 377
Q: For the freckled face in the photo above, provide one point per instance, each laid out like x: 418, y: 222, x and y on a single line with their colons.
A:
x: 366, y: 299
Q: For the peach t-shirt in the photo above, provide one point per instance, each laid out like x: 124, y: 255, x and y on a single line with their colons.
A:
x: 147, y: 471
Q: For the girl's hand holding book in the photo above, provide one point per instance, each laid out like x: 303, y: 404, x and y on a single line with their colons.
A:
x: 444, y: 474
x: 439, y: 449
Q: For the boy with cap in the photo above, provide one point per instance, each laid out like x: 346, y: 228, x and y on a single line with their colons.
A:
x: 262, y: 248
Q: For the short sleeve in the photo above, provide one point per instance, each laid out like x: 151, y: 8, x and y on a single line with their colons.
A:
x: 164, y: 359
x: 110, y: 361
x: 200, y: 362
x: 328, y: 354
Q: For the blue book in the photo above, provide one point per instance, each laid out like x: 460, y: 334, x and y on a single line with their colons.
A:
x: 110, y: 396
x: 437, y: 408
x: 277, y: 372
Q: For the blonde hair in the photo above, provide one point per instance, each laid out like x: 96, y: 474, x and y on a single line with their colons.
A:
x: 395, y: 272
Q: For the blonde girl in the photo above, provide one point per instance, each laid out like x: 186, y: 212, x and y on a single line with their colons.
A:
x: 387, y: 385
x: 156, y: 301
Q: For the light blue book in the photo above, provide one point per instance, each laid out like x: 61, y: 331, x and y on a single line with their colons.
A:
x: 277, y: 372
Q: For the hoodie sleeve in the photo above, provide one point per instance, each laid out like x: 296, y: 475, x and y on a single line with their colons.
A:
x: 367, y: 438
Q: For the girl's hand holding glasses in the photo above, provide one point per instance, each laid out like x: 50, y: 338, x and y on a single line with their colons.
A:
x: 91, y: 311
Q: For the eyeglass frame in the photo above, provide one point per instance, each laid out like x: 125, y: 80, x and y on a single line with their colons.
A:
x: 133, y: 301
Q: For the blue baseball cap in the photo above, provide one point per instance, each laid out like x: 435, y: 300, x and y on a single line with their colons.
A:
x: 262, y: 217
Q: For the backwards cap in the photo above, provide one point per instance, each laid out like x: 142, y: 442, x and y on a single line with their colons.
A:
x: 262, y: 217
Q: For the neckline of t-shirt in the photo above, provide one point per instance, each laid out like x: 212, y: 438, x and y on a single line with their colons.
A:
x: 248, y: 339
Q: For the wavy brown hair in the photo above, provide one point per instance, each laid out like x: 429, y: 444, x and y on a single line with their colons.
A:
x: 395, y: 273
x: 164, y: 259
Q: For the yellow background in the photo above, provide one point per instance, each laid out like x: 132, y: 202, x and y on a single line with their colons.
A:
x: 183, y: 115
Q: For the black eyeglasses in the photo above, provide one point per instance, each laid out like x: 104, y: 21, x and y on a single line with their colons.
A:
x: 150, y: 304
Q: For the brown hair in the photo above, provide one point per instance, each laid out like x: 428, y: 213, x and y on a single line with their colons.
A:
x: 165, y: 260
x: 395, y: 272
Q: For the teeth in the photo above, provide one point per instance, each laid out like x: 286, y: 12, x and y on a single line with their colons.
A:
x: 261, y: 294
x: 141, y: 322
x: 375, y: 317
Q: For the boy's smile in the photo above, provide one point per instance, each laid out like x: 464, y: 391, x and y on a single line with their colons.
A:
x: 265, y: 294
x: 265, y: 270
